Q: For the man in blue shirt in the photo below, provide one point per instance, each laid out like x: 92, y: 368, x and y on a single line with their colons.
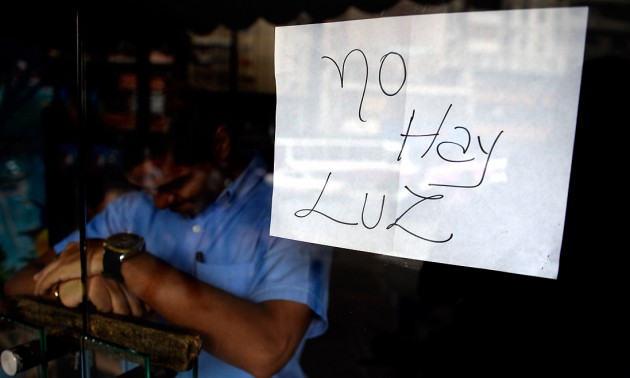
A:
x: 210, y: 265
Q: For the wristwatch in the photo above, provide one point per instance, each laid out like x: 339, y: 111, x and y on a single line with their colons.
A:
x: 118, y: 248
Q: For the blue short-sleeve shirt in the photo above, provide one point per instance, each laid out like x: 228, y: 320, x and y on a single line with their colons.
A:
x: 228, y: 246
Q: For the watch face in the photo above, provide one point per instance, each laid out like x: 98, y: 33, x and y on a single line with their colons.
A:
x: 124, y: 242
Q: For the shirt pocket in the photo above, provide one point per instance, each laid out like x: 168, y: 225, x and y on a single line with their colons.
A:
x: 233, y: 278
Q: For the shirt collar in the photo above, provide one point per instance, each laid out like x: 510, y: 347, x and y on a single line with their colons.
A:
x: 246, y: 181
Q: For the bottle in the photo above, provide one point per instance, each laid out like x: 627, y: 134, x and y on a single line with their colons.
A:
x: 25, y: 356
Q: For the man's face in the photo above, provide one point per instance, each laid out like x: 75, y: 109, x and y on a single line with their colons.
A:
x: 183, y: 189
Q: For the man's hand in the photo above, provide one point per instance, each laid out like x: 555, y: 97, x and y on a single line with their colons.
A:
x: 106, y: 294
x: 67, y: 266
x: 63, y: 275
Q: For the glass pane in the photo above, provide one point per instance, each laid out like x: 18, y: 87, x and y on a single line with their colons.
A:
x: 108, y: 360
x: 83, y: 131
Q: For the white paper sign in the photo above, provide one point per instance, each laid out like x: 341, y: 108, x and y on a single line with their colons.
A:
x: 444, y: 137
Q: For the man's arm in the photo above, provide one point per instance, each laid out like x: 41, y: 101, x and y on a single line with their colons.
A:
x: 22, y: 283
x: 257, y: 337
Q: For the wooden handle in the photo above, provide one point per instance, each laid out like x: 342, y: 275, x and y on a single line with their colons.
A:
x: 168, y: 347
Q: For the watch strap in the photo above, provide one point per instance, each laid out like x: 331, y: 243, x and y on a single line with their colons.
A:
x: 112, y: 262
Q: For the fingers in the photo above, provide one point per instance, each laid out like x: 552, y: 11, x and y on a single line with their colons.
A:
x: 45, y: 279
x: 98, y: 294
x: 105, y: 294
x: 136, y: 306
x: 53, y: 274
x: 109, y: 295
x: 118, y: 298
x: 70, y: 293
x: 65, y: 268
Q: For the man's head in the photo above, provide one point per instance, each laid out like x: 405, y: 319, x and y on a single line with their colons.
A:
x: 184, y: 171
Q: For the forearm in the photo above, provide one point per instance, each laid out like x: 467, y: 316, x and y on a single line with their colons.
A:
x: 259, y: 338
x: 22, y: 283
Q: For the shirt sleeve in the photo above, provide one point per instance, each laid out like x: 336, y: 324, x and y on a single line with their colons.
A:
x: 297, y: 271
x: 115, y: 218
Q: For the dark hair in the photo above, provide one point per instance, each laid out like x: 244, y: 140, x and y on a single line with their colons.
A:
x: 193, y: 120
x: 193, y: 125
x: 189, y: 144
